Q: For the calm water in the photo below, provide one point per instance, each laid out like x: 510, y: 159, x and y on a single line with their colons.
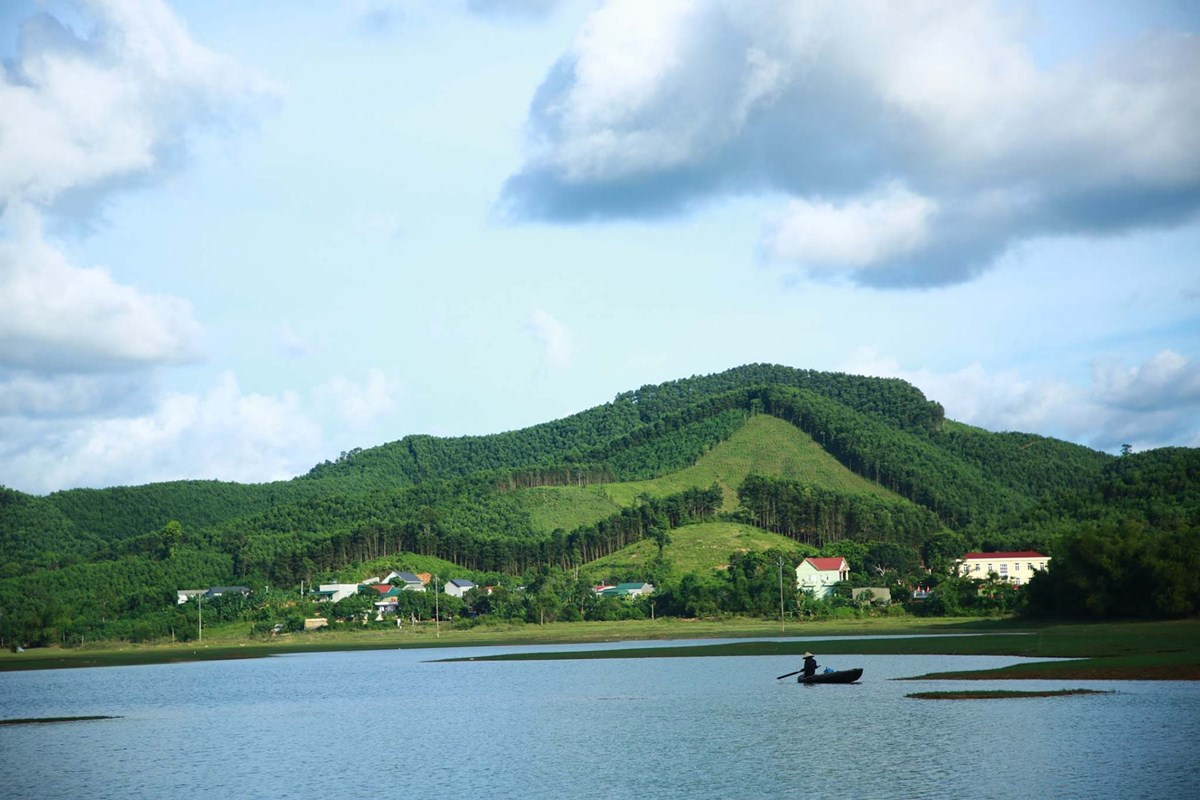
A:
x: 389, y: 723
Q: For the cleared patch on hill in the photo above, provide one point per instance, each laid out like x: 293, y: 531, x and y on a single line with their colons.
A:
x: 566, y: 507
x: 765, y: 445
x: 693, y: 548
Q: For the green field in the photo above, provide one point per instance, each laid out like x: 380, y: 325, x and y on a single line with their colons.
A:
x: 693, y: 548
x: 765, y: 445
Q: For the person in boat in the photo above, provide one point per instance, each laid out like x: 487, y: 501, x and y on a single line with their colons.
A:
x: 810, y: 665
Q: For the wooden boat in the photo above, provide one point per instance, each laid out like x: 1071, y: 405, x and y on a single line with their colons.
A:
x: 839, y: 676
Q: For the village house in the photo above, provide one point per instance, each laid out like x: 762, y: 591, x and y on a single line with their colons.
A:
x: 218, y: 591
x: 333, y: 592
x: 457, y: 587
x: 627, y: 590
x: 818, y: 575
x: 1016, y: 567
x: 407, y: 581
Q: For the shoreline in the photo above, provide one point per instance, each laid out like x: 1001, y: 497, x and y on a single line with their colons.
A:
x: 1103, y: 651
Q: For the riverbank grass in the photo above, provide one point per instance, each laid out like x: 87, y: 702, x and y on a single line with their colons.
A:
x: 1167, y: 650
x: 1000, y: 694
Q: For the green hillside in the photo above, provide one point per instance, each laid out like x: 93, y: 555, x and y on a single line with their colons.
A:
x: 763, y: 446
x: 693, y: 548
x: 553, y: 508
x: 819, y: 458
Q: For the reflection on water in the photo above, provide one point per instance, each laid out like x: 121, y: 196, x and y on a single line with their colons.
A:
x: 392, y: 722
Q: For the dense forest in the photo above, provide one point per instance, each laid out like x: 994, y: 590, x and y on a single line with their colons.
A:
x: 88, y: 563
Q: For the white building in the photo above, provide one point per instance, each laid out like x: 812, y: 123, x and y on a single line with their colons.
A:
x: 334, y: 592
x: 1016, y: 568
x: 820, y: 574
x: 457, y: 587
x: 627, y: 590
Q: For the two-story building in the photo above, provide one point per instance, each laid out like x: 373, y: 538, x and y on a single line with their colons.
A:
x: 820, y: 574
x: 1015, y: 567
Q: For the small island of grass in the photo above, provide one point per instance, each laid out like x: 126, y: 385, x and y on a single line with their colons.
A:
x: 43, y: 720
x: 1000, y: 694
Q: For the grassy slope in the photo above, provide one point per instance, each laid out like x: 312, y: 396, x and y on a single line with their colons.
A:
x: 765, y: 445
x: 693, y: 548
x: 566, y: 507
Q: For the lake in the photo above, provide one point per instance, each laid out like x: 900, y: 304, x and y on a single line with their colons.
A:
x: 393, y: 723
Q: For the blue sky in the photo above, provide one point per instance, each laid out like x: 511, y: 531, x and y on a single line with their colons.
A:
x: 237, y: 239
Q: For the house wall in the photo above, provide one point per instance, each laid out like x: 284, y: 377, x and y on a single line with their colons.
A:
x: 821, y: 582
x: 1016, y: 571
x: 340, y: 590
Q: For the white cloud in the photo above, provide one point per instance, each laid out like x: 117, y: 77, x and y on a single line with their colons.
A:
x: 1166, y: 381
x: 80, y: 112
x: 554, y: 337
x: 876, y: 228
x: 1154, y: 404
x: 657, y: 106
x: 222, y: 433
x: 360, y: 403
x: 55, y: 316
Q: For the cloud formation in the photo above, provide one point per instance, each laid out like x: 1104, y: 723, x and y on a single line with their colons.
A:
x: 1148, y: 405
x: 221, y: 433
x: 84, y: 112
x: 553, y: 336
x: 55, y: 317
x: 89, y: 106
x: 930, y: 131
x: 360, y: 404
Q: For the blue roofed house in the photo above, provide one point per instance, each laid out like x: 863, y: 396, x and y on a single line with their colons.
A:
x: 406, y: 581
x: 457, y: 587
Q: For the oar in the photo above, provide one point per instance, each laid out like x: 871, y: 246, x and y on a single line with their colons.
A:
x: 790, y: 674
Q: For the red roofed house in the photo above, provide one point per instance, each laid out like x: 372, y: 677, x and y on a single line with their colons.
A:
x: 820, y: 574
x: 1016, y: 568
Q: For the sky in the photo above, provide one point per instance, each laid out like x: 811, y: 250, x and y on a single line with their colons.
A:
x: 238, y: 239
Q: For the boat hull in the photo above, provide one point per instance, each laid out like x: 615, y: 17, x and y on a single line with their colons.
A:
x: 841, y: 676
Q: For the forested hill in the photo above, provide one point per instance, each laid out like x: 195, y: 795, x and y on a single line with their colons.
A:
x: 884, y: 429
x: 592, y: 436
x: 824, y: 459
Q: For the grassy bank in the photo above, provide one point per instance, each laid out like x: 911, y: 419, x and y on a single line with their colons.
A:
x: 999, y: 694
x: 1106, y: 651
x: 230, y: 641
x: 1115, y: 650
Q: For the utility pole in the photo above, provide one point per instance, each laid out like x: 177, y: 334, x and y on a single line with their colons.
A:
x: 200, y: 607
x: 781, y: 594
x: 437, y: 613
